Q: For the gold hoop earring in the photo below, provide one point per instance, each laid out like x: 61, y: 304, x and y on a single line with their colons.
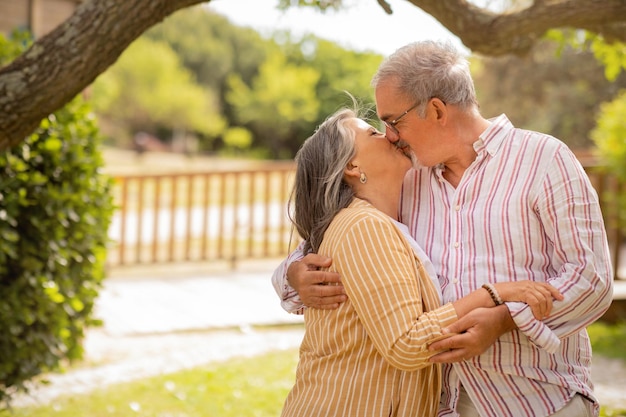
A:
x: 363, y: 178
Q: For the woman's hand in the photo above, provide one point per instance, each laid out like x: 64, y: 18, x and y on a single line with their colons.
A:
x: 538, y: 295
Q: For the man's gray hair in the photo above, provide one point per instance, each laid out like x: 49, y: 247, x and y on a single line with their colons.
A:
x: 427, y: 69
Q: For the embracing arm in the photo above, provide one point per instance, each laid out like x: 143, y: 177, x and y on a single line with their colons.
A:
x: 299, y: 282
x: 388, y: 288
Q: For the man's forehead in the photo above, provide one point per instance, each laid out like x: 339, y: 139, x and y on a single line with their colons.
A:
x: 388, y: 101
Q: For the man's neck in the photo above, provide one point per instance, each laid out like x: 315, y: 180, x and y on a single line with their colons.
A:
x: 469, y: 130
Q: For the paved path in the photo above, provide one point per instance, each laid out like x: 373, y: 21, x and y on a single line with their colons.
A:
x: 161, y: 321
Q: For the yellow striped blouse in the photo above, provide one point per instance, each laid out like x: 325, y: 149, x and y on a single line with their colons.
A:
x: 369, y: 357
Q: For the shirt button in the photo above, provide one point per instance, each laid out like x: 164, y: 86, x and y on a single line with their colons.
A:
x: 458, y: 207
x: 456, y: 244
x: 455, y: 281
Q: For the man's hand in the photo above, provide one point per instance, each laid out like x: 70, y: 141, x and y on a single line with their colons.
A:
x: 317, y: 289
x: 477, y: 331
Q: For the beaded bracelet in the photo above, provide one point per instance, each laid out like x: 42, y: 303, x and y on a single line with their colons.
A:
x: 493, y: 294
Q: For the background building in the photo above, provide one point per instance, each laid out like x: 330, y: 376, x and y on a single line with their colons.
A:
x: 37, y: 16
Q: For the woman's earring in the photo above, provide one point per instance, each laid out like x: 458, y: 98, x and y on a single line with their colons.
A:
x: 363, y: 178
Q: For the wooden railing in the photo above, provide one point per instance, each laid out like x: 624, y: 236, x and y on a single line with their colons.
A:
x: 242, y: 215
x: 202, y: 216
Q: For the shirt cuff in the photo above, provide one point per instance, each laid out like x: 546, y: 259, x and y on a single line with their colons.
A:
x: 537, y: 332
x: 290, y: 301
x: 446, y: 315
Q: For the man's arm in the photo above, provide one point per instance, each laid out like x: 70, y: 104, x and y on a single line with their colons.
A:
x: 316, y: 288
x: 299, y: 283
x: 570, y: 215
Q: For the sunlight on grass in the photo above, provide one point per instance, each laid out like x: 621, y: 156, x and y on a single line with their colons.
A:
x: 239, y: 387
x: 608, y: 340
x: 255, y: 387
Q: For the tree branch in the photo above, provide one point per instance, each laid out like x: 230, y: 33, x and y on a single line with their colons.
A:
x: 496, y: 34
x: 386, y: 6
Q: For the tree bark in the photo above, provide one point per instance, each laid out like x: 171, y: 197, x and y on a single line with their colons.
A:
x: 68, y: 59
x: 495, y: 34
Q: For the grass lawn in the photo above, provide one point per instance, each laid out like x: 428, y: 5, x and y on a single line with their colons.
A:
x: 243, y: 387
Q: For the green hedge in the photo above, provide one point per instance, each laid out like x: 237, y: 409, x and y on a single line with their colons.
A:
x: 55, y: 209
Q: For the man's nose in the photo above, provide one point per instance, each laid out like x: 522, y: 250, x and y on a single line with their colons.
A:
x: 391, y: 136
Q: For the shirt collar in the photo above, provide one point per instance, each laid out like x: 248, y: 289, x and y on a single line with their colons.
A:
x: 489, y: 142
x: 492, y: 138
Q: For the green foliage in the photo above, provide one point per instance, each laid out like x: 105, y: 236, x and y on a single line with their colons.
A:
x: 556, y: 89
x: 254, y: 386
x: 237, y: 138
x: 55, y: 209
x: 277, y: 89
x: 213, y: 48
x: 340, y: 71
x: 608, y: 340
x: 12, y: 47
x: 611, y: 54
x: 610, y: 138
x: 276, y: 105
x: 149, y: 88
x: 610, y: 134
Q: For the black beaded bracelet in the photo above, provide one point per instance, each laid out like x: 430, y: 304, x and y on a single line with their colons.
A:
x: 493, y: 294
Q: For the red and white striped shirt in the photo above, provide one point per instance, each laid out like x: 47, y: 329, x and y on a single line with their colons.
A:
x: 524, y: 209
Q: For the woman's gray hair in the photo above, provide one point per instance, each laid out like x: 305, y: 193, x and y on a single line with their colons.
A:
x: 427, y: 69
x: 319, y: 191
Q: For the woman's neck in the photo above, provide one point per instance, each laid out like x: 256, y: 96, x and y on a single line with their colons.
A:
x: 385, y: 199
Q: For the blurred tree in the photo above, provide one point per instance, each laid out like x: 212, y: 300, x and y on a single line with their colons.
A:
x: 340, y: 70
x: 149, y: 90
x: 610, y: 134
x: 280, y: 100
x: 214, y: 48
x: 554, y: 89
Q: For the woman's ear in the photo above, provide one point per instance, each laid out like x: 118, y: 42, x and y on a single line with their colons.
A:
x: 352, y: 171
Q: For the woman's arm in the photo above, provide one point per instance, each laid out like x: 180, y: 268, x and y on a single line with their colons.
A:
x: 388, y: 289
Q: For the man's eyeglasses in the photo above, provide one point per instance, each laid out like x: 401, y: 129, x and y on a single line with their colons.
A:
x: 391, y: 126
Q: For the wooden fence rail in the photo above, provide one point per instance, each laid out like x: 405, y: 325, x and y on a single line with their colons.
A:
x: 242, y: 214
x: 201, y: 216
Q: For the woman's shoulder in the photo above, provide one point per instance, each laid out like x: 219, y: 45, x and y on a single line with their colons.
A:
x: 360, y: 213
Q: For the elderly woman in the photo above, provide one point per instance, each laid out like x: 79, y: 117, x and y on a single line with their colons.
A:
x: 370, y: 356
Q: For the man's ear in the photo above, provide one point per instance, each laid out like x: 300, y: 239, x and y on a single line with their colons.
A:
x: 440, y: 109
